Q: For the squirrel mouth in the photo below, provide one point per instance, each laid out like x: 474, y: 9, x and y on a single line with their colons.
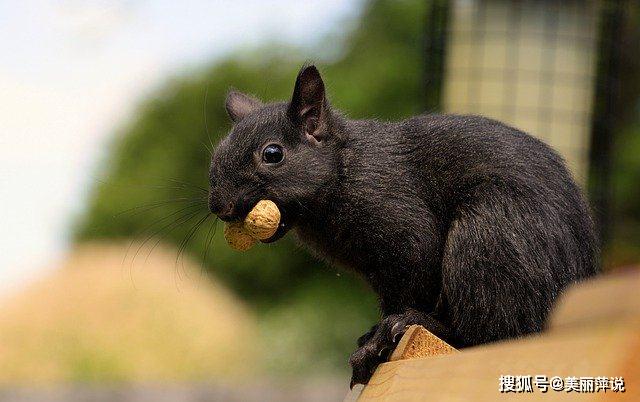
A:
x: 283, y: 226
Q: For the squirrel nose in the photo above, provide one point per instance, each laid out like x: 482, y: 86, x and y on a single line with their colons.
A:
x: 226, y: 208
x: 228, y: 217
x: 225, y: 213
x: 217, y: 205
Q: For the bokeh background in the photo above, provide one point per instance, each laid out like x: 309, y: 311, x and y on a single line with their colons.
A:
x: 116, y: 284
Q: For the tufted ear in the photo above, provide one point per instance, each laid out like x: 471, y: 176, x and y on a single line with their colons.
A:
x: 239, y: 105
x: 308, y: 103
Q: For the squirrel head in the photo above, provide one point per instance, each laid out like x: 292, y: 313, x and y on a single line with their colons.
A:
x: 286, y: 152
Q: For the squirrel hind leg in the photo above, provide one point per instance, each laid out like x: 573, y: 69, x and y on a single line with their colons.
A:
x: 500, y: 272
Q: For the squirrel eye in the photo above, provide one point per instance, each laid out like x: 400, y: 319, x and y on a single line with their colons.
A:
x: 272, y: 153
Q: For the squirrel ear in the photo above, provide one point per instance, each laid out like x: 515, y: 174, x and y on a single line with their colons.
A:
x: 239, y: 105
x: 308, y: 104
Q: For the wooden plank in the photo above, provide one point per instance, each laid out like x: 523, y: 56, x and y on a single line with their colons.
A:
x: 607, y: 350
x: 594, y: 331
x: 607, y: 298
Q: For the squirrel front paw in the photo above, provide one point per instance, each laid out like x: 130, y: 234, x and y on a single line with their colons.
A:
x: 375, y: 346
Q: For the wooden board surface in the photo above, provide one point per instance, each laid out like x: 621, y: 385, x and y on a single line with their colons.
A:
x: 594, y: 331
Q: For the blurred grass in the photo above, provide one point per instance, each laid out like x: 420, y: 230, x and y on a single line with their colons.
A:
x: 101, y: 318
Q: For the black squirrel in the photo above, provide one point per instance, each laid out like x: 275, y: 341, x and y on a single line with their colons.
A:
x: 461, y: 224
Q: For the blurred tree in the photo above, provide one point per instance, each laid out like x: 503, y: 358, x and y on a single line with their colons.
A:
x: 311, y: 311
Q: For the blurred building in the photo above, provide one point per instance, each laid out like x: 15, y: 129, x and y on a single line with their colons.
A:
x: 542, y: 66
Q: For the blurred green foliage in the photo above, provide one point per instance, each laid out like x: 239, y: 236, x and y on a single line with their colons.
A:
x: 623, y: 248
x: 311, y: 314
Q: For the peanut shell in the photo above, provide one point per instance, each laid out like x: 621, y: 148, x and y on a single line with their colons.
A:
x: 237, y: 237
x: 263, y: 220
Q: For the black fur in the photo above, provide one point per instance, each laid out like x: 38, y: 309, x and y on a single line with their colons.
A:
x: 459, y: 223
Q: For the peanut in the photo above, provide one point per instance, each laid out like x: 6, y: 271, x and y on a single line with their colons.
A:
x: 260, y: 224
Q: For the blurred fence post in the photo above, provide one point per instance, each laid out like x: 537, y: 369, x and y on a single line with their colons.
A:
x: 607, y: 113
x: 434, y: 53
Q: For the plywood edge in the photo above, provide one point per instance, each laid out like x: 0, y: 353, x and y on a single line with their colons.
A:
x: 418, y: 342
